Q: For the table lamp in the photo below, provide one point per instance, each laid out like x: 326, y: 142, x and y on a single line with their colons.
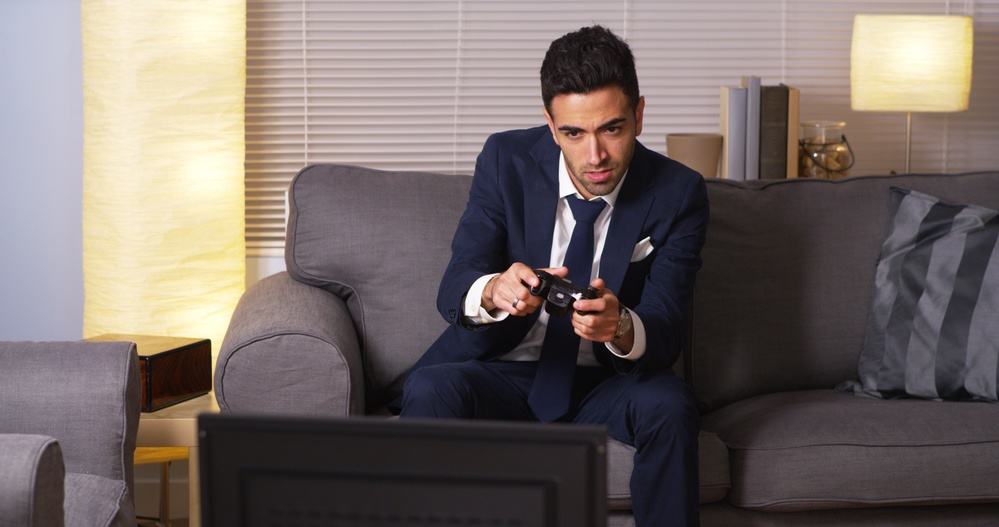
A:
x: 910, y: 63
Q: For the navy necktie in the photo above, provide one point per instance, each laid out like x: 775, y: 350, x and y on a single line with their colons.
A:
x: 552, y: 387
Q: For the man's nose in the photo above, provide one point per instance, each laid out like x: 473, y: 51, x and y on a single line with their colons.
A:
x: 596, y: 152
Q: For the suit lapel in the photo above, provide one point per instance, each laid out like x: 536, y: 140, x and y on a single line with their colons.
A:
x: 540, y: 201
x: 629, y: 214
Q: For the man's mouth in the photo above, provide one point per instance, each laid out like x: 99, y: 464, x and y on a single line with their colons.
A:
x: 599, y: 176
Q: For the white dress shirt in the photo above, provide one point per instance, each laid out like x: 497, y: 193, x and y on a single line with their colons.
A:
x: 529, y: 349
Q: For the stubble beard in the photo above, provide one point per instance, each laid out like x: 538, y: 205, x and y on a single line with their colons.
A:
x: 599, y: 189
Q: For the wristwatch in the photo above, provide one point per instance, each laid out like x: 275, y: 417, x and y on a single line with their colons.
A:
x: 623, y: 323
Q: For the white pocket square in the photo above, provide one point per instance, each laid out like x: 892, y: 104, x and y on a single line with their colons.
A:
x: 642, y: 249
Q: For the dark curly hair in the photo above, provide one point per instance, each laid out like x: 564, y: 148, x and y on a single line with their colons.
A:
x: 585, y: 60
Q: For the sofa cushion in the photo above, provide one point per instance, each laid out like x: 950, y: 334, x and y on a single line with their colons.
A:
x: 712, y: 464
x: 380, y: 241
x: 713, y: 467
x: 822, y: 449
x: 782, y: 298
x: 934, y: 324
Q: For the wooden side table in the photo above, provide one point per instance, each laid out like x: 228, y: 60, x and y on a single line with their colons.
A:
x: 163, y: 456
x: 177, y: 426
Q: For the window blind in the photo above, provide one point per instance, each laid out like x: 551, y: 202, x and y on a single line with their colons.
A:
x: 420, y: 85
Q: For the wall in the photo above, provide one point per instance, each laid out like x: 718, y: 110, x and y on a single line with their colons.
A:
x: 41, y: 145
x: 258, y: 267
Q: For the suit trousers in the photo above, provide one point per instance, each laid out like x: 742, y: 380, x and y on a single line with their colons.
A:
x: 654, y: 412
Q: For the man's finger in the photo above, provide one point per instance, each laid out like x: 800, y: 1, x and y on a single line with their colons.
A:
x: 590, y: 305
x: 514, y: 298
x: 582, y: 330
x: 527, y: 276
x: 533, y: 301
x: 504, y: 295
x: 518, y: 290
x: 584, y: 321
x: 520, y: 297
x: 590, y: 334
x: 504, y: 300
x: 560, y: 272
x: 517, y: 307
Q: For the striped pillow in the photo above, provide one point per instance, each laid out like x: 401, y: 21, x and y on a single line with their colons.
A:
x: 933, y: 329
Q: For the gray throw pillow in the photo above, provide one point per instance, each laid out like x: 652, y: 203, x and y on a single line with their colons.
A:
x: 933, y: 328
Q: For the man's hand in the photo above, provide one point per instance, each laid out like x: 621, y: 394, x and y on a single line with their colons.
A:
x: 599, y: 318
x: 508, y: 292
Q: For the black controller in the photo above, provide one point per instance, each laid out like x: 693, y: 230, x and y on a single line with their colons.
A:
x: 560, y: 294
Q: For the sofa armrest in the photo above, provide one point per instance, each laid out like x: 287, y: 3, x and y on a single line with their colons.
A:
x: 83, y: 394
x: 291, y: 348
x: 31, y: 489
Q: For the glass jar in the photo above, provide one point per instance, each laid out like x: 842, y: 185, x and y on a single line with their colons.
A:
x: 823, y: 150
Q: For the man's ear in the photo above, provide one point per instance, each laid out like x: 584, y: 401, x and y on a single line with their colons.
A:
x: 639, y: 111
x: 551, y: 123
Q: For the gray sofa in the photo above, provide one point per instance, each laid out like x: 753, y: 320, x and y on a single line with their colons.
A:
x: 778, y: 320
x: 69, y: 413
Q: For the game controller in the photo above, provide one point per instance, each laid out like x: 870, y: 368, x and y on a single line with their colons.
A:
x: 560, y: 294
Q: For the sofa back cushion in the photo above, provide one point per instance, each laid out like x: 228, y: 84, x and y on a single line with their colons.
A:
x: 782, y: 300
x: 380, y: 241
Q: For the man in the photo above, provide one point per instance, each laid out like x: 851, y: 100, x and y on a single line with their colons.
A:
x: 583, y: 200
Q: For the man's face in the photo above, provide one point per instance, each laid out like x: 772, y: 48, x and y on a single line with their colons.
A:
x: 596, y: 132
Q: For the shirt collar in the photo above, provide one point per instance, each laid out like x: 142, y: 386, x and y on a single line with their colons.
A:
x: 567, y: 188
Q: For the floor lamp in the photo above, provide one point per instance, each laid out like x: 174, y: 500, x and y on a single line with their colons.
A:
x: 164, y: 84
x: 910, y: 63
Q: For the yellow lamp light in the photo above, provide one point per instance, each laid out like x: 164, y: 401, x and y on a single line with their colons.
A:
x: 163, y: 227
x: 911, y: 63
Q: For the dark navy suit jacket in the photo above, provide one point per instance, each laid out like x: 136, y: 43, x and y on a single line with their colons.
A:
x: 510, y: 217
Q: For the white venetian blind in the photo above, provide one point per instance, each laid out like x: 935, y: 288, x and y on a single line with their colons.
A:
x: 419, y: 85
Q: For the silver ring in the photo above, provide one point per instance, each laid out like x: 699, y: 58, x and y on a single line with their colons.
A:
x: 515, y: 302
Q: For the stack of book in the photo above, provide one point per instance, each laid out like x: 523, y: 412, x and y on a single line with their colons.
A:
x: 759, y: 127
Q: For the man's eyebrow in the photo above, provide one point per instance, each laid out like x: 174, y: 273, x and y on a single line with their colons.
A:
x: 613, y: 122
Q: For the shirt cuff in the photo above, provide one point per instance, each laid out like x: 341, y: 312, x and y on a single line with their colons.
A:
x: 638, y: 346
x: 473, y: 310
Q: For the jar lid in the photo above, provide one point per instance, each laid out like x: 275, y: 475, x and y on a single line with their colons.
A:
x: 823, y: 124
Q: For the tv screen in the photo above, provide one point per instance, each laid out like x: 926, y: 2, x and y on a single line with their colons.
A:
x: 352, y: 472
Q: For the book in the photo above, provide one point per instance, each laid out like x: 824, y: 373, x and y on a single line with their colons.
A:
x: 752, y: 85
x: 773, y: 132
x: 732, y: 121
x: 793, y: 121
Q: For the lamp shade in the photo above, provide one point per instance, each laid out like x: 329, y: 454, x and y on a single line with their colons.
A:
x: 911, y: 63
x: 163, y: 193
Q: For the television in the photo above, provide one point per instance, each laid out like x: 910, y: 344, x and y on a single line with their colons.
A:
x: 367, y: 471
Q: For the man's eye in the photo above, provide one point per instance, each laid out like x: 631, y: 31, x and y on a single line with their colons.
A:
x: 613, y: 129
x: 572, y: 133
